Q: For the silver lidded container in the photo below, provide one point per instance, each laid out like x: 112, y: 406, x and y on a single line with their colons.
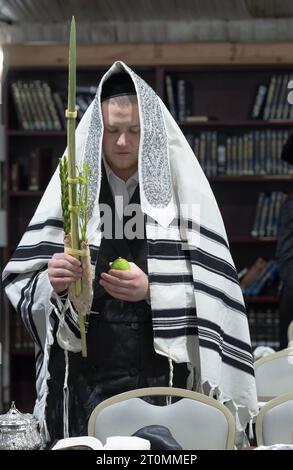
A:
x: 19, y: 431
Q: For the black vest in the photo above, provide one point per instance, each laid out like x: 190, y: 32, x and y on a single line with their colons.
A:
x: 134, y: 250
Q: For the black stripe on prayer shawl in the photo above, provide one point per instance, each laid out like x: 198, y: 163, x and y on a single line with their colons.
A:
x: 174, y: 322
x: 171, y: 279
x: 70, y: 322
x: 57, y: 223
x: 39, y: 362
x: 214, y: 264
x: 205, y: 232
x: 30, y: 315
x: 224, y: 347
x: 44, y: 250
x: 9, y: 279
x: 174, y: 332
x: 175, y: 312
x: 166, y: 249
x: 213, y: 236
x: 233, y: 304
x: 40, y: 250
x: 232, y: 351
x: 178, y: 322
x: 229, y: 355
x: 209, y: 325
x: 53, y: 313
x: 25, y: 311
x: 236, y: 353
x: 227, y: 359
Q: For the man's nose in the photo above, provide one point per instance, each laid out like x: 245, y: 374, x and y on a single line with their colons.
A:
x: 122, y: 139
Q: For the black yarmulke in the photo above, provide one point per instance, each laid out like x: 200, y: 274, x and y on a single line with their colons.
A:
x: 117, y: 85
x: 287, y: 151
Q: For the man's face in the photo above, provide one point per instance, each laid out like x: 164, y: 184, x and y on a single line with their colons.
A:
x: 121, y: 135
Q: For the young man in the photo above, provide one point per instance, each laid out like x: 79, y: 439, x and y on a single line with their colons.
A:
x: 177, y: 317
x: 121, y: 354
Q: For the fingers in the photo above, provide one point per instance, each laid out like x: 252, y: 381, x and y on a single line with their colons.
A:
x: 63, y: 270
x: 125, y: 275
x: 66, y: 256
x: 113, y: 285
x: 116, y: 293
x: 60, y: 272
x: 126, y: 285
x: 66, y: 262
x: 118, y: 281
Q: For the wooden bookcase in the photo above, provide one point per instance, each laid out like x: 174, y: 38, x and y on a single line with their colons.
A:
x: 223, y: 80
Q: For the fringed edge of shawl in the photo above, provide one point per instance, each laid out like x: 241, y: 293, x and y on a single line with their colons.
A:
x: 40, y: 405
x: 242, y: 415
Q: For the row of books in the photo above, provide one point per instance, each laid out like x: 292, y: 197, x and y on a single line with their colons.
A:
x: 264, y: 326
x: 178, y: 98
x: 36, y: 106
x: 253, y: 153
x: 267, y: 213
x: 271, y: 100
x: 39, y: 107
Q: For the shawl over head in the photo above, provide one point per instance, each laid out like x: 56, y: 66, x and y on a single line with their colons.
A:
x: 197, y: 305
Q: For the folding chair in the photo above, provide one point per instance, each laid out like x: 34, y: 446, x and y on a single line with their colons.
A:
x: 274, y: 375
x: 274, y: 423
x: 196, y: 421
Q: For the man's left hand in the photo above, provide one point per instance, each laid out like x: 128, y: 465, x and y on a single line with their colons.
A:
x: 130, y: 285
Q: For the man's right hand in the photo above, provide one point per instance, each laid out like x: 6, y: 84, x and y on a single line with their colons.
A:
x: 63, y: 270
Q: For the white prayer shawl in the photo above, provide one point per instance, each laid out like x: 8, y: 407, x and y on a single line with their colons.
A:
x: 197, y: 305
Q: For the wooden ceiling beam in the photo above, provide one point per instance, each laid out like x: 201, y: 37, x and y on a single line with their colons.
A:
x: 56, y: 55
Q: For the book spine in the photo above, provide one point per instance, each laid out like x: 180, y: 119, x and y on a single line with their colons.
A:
x: 269, y: 100
x: 259, y: 102
x: 257, y: 217
x: 171, y: 96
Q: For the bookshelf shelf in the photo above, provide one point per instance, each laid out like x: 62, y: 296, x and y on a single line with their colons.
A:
x: 252, y: 240
x: 25, y: 193
x: 231, y: 124
x: 17, y: 133
x: 262, y: 299
x: 251, y: 179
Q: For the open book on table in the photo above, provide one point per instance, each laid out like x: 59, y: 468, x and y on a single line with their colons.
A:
x: 92, y: 443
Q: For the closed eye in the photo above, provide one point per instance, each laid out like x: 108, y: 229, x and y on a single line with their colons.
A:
x: 134, y: 130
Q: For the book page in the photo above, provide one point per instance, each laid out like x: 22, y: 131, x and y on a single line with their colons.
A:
x: 80, y: 443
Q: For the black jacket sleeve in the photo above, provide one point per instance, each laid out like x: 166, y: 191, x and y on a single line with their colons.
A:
x: 284, y: 254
